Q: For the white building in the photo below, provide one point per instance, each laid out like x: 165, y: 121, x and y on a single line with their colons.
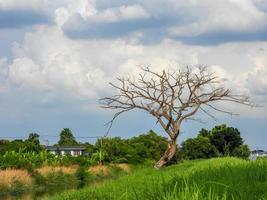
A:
x: 257, y: 154
x: 66, y: 150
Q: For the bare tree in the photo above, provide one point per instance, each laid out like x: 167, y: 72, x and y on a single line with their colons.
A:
x: 171, y: 97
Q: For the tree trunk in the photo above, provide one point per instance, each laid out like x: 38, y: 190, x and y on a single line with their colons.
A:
x: 168, y: 155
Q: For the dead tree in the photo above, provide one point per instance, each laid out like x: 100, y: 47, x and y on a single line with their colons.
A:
x: 171, y: 97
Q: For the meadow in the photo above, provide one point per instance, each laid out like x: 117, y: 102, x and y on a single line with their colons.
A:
x: 210, y: 179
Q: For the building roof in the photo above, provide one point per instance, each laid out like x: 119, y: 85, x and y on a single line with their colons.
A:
x: 65, y: 148
x: 261, y: 152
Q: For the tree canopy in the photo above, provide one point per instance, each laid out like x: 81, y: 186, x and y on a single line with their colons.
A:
x: 220, y: 141
x: 67, y: 138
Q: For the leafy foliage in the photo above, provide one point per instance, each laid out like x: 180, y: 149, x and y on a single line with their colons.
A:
x: 13, y: 159
x: 32, y: 144
x: 220, y: 141
x: 67, y: 138
x: 29, y: 154
x: 225, y: 139
x: 138, y: 149
x: 242, y: 151
x: 199, y: 147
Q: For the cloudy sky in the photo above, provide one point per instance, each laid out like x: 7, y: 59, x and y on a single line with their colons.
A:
x: 57, y: 57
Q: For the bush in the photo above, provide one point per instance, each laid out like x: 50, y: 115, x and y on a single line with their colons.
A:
x: 83, y: 176
x: 199, y: 147
x: 242, y: 152
x: 16, y: 189
x: 28, y: 160
x: 54, y: 182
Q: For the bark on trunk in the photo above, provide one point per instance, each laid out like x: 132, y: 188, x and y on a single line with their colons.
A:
x: 168, y: 155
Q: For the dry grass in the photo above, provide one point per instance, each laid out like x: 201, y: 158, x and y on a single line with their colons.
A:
x: 125, y: 167
x: 9, y: 176
x: 99, y: 169
x: 48, y: 169
x: 105, y: 169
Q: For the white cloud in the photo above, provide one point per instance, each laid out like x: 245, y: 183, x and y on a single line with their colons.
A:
x: 256, y: 80
x: 222, y: 16
x: 3, y: 64
x: 3, y: 73
x: 121, y: 13
x: 84, y: 8
x: 132, y: 12
x: 88, y: 12
x: 48, y: 60
x: 11, y: 4
x: 179, y: 18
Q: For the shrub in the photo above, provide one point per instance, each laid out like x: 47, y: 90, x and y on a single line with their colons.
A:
x: 242, y: 151
x: 83, y: 176
x: 54, y: 182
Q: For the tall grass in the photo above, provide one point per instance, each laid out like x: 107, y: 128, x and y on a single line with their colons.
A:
x: 52, y: 179
x: 9, y: 176
x: 49, y: 169
x: 214, y: 179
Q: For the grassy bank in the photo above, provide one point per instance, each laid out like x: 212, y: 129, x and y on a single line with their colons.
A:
x: 16, y: 183
x: 220, y: 178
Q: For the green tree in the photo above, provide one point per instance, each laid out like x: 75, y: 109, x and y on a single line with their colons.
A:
x: 199, y: 147
x: 32, y: 144
x: 242, y: 151
x: 149, y: 146
x: 89, y: 148
x: 110, y: 149
x: 15, y: 145
x: 225, y: 139
x: 34, y: 138
x: 67, y: 138
x: 138, y: 149
x: 204, y: 132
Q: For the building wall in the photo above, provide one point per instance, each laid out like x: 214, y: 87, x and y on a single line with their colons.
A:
x: 71, y: 152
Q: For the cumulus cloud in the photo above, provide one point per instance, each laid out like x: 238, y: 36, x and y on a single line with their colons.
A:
x: 50, y: 63
x: 86, y: 11
x: 205, y: 22
x: 3, y: 73
x: 25, y: 4
x: 21, y: 18
x: 192, y: 22
x: 17, y: 14
x: 47, y: 60
x: 232, y: 16
x: 57, y: 67
x: 83, y: 8
x: 256, y: 80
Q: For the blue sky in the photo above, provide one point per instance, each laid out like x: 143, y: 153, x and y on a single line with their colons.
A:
x: 57, y: 57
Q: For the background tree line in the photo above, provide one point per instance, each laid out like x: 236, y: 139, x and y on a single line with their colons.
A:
x: 219, y: 141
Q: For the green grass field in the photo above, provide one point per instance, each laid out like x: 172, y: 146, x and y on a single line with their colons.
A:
x: 219, y: 178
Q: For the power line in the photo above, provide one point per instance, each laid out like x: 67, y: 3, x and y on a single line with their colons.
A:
x: 9, y: 137
x: 22, y: 137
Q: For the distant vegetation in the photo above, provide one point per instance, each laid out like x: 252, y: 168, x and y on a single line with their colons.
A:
x: 220, y: 141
